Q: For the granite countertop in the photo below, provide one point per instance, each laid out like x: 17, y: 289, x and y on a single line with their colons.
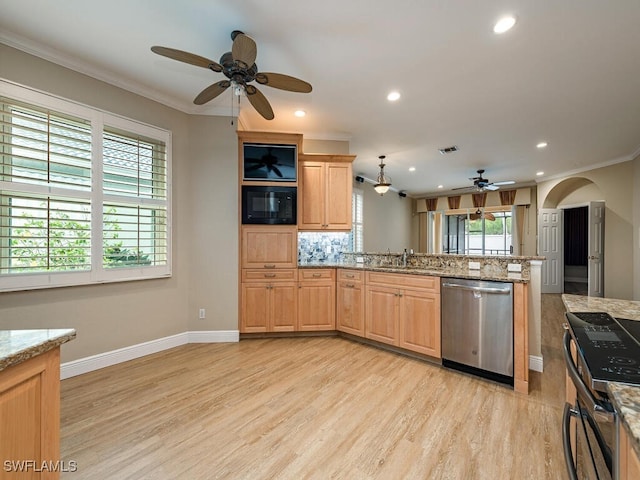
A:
x: 18, y: 346
x: 427, y: 271
x: 625, y: 398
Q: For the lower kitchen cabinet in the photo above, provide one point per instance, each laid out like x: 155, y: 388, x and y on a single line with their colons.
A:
x: 350, y: 302
x: 269, y: 307
x: 316, y: 300
x: 382, y: 314
x: 404, y: 310
x: 420, y: 321
x: 629, y: 462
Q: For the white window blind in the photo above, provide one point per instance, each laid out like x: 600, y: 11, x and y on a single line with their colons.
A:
x: 80, y: 202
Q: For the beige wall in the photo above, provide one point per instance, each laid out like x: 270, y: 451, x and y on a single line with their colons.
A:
x: 636, y: 228
x: 615, y: 186
x: 205, y: 222
x: 387, y: 220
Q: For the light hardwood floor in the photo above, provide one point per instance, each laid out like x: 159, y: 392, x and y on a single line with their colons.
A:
x: 319, y: 407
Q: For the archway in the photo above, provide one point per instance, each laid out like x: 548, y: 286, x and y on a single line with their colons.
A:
x: 570, y: 236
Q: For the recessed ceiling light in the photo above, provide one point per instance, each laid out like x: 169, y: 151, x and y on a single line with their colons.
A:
x: 440, y: 186
x: 412, y: 169
x: 542, y: 144
x: 504, y: 24
x: 393, y: 96
x: 540, y: 173
x: 299, y: 113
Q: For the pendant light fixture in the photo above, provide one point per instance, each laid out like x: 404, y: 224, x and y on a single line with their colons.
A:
x: 383, y: 182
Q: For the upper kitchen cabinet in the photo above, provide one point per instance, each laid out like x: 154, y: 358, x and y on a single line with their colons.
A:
x: 325, y: 187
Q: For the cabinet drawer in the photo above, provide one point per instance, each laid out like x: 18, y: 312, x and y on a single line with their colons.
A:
x: 407, y: 280
x: 350, y: 275
x: 251, y: 275
x: 317, y: 274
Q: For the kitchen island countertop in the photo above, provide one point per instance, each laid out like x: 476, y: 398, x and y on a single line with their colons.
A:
x: 18, y: 346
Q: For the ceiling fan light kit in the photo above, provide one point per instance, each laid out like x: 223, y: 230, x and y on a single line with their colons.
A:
x: 481, y: 184
x: 240, y: 68
x: 383, y: 183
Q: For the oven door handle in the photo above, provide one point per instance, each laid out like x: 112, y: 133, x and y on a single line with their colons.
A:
x: 566, y: 442
x: 583, y: 391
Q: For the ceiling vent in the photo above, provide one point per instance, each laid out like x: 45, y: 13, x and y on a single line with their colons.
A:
x: 450, y: 149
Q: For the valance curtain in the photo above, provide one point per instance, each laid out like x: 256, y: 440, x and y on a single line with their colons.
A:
x: 454, y: 202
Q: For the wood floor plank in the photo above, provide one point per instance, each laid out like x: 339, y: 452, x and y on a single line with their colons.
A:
x: 315, y: 407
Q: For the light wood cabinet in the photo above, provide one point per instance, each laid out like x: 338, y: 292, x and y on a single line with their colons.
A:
x: 268, y: 306
x: 316, y: 300
x: 269, y: 246
x: 324, y: 195
x: 420, y: 321
x: 350, y: 302
x: 404, y: 310
x: 30, y: 414
x: 628, y: 461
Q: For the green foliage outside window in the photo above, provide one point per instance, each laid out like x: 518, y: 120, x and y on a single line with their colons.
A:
x: 64, y: 244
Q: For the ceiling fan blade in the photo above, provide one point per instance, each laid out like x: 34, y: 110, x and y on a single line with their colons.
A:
x: 491, y: 187
x: 462, y: 188
x: 211, y: 92
x: 244, y: 50
x: 283, y: 82
x: 506, y: 182
x: 259, y: 102
x: 187, y: 57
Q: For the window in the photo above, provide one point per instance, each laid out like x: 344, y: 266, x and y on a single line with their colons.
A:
x: 84, y: 195
x: 357, y: 231
x: 473, y: 234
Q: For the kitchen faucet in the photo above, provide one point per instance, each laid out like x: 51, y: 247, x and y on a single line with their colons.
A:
x: 404, y: 258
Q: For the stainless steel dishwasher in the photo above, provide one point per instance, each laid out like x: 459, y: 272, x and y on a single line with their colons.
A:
x: 477, y: 327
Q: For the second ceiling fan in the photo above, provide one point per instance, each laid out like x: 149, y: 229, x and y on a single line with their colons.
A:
x: 481, y: 184
x: 240, y: 68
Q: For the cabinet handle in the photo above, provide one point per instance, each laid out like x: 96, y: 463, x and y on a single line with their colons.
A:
x: 269, y: 265
x: 350, y: 285
x: 350, y: 275
x: 269, y: 275
x: 317, y: 275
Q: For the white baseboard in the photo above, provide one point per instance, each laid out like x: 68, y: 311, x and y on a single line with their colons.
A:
x: 106, y: 359
x: 535, y: 363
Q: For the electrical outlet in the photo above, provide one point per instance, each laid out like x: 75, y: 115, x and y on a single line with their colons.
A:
x: 202, y: 314
x: 514, y: 267
x: 474, y: 265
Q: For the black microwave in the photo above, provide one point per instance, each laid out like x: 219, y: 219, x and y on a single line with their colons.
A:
x: 271, y: 205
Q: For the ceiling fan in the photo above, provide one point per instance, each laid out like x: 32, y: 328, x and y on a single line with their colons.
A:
x: 481, y: 184
x: 240, y: 68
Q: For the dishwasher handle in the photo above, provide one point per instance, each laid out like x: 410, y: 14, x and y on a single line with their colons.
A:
x: 477, y: 289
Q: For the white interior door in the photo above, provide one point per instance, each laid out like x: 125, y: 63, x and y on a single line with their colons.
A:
x: 550, y: 239
x: 596, y: 249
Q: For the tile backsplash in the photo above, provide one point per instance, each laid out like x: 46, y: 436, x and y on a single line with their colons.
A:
x: 318, y: 247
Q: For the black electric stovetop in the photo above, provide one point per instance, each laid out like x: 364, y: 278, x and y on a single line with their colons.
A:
x: 610, y: 352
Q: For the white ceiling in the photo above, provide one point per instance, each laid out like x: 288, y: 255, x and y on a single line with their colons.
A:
x: 568, y: 73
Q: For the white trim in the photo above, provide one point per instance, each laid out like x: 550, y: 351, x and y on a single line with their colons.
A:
x: 536, y: 363
x: 106, y: 359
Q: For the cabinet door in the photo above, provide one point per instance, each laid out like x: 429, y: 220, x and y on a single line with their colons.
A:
x: 382, y: 314
x: 350, y: 308
x: 283, y: 307
x: 420, y: 322
x: 269, y: 246
x: 316, y: 306
x: 338, y: 200
x: 255, y: 308
x: 311, y: 203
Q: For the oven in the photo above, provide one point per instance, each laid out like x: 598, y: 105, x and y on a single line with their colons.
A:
x: 605, y: 352
x: 593, y: 452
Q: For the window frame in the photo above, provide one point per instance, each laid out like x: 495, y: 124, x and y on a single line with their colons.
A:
x: 99, y: 120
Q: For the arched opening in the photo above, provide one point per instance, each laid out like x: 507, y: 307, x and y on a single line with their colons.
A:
x: 571, y: 232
